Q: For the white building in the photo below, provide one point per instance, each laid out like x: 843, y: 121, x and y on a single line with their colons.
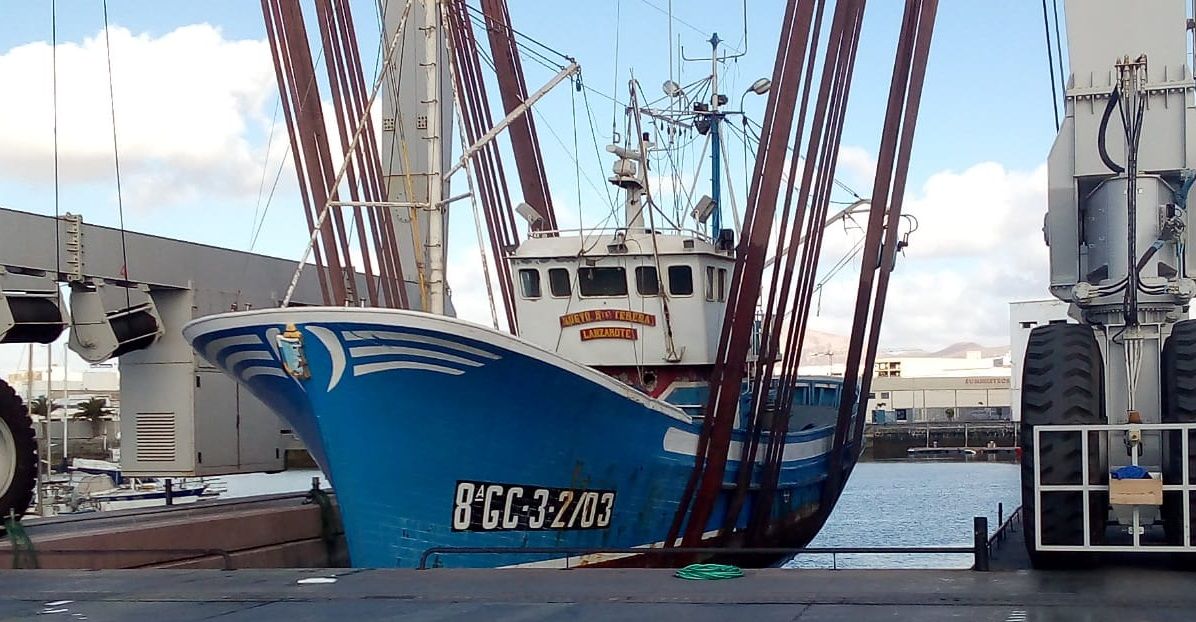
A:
x: 1023, y: 317
x: 908, y: 387
x: 972, y: 363
x: 903, y: 399
x: 101, y: 380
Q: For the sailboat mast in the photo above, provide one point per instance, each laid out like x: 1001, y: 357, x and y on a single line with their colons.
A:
x: 432, y: 138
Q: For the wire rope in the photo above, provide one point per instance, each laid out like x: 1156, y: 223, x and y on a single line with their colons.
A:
x: 120, y: 206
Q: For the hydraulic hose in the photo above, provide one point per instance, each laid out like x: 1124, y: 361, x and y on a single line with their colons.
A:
x: 1114, y: 97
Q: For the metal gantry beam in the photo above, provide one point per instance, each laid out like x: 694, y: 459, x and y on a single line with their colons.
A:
x: 803, y: 216
x: 130, y: 295
x: 880, y: 246
x: 512, y: 87
x: 359, y: 174
x: 714, y: 441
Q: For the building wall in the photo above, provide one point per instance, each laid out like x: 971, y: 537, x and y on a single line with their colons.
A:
x: 94, y: 381
x: 1023, y: 317
x: 928, y: 366
x: 941, y: 398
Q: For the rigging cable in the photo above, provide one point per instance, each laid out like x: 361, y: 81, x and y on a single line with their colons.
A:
x: 1059, y: 49
x: 54, y: 105
x: 539, y: 57
x: 261, y: 187
x: 524, y: 35
x: 614, y: 110
x: 576, y: 161
x: 120, y: 207
x: 585, y: 98
x: 544, y: 121
x: 1046, y: 26
x: 259, y: 223
x: 671, y: 353
x: 399, y: 150
x: 477, y: 223
x: 674, y: 18
x: 789, y: 148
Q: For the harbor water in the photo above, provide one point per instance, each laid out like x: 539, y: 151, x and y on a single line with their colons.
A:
x: 884, y: 504
x: 913, y: 504
x: 250, y: 484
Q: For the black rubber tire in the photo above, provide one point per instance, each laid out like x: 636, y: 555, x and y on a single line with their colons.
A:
x: 19, y: 493
x: 1178, y: 378
x: 1062, y: 384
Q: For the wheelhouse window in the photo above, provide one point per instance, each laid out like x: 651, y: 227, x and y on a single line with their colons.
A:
x: 647, y: 282
x: 721, y: 285
x: 681, y: 281
x: 601, y: 281
x: 710, y: 270
x: 558, y: 282
x: 529, y: 282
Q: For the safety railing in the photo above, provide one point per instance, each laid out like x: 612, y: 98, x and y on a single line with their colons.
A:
x: 1115, y: 435
x: 1006, y: 526
x: 979, y: 550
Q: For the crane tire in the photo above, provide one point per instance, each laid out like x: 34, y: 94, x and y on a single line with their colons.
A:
x: 1178, y: 377
x: 18, y: 455
x: 1062, y: 384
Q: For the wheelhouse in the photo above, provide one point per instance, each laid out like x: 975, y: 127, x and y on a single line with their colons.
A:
x: 615, y: 299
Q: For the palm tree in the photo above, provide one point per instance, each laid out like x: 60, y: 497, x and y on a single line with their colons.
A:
x: 41, y: 406
x: 93, y: 410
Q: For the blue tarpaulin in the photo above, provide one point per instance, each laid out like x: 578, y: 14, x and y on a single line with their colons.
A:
x: 1130, y: 471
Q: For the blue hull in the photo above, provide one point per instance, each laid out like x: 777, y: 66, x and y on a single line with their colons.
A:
x: 438, y: 432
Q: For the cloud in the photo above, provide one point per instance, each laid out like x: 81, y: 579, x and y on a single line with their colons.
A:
x: 188, y: 106
x: 467, y: 284
x: 857, y: 167
x: 978, y: 246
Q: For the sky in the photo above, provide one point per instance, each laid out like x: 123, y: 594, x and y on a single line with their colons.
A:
x: 201, y: 145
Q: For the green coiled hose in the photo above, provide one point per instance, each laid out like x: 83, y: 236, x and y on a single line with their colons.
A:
x: 709, y: 572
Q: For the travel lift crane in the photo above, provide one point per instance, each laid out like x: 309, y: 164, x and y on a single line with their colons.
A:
x: 130, y: 295
x: 1117, y: 388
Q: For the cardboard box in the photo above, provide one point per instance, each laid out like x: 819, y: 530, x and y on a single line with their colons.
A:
x: 1136, y: 491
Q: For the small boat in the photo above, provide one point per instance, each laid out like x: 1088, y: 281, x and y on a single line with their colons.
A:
x: 941, y: 454
x: 99, y: 486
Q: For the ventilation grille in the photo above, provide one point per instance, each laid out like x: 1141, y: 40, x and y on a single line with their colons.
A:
x: 155, y: 437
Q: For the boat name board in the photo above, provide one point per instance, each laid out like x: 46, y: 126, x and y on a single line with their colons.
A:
x: 488, y: 506
x: 607, y: 315
x: 609, y: 332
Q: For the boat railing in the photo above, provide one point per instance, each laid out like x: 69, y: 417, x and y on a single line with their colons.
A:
x: 612, y: 232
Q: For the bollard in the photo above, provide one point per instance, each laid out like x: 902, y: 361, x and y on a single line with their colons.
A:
x: 980, y: 543
x: 169, y: 491
x: 1000, y: 515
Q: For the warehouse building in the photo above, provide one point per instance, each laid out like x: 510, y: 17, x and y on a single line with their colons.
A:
x: 904, y: 399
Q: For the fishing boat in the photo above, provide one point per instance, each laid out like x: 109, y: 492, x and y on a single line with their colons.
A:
x: 597, y: 419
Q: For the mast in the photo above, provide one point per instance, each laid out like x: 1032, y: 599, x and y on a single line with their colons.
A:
x: 66, y: 386
x: 415, y: 103
x: 49, y: 406
x: 716, y: 219
x: 41, y: 490
x: 431, y: 101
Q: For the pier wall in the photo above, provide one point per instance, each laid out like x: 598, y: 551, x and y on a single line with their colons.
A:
x: 274, y: 531
x: 890, y: 441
